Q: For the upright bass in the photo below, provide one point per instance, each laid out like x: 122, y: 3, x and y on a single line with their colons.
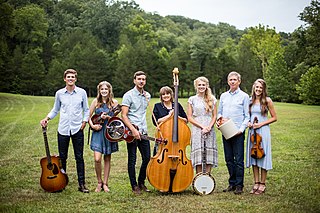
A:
x: 170, y: 170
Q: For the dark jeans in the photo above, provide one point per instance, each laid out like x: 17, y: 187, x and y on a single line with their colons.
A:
x: 77, y: 142
x: 234, y: 156
x: 144, y: 148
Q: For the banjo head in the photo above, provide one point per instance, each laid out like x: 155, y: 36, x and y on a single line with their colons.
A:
x: 115, y: 130
x: 203, y: 184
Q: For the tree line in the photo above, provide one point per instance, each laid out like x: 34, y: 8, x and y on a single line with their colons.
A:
x: 110, y: 40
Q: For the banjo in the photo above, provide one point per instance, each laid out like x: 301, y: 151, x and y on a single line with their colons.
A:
x: 203, y: 183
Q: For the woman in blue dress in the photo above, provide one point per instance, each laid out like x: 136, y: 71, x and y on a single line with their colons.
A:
x: 259, y: 107
x: 102, y: 106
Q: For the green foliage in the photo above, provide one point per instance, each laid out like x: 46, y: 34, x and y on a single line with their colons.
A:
x: 308, y: 87
x: 280, y: 85
x: 31, y: 26
x: 264, y: 43
x: 110, y: 40
x: 311, y: 15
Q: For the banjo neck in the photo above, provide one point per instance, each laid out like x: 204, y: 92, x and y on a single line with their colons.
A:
x: 204, y: 154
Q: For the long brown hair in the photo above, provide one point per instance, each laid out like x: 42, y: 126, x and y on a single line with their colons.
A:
x: 262, y: 98
x: 208, y: 96
x: 110, y: 96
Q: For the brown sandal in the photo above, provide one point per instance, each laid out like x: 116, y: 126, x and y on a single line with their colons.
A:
x: 259, y: 190
x: 99, y: 187
x: 254, y: 189
x: 105, y: 188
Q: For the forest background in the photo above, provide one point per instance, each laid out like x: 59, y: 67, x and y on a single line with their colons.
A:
x: 110, y: 40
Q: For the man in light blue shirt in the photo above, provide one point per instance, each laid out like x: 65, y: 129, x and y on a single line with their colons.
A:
x: 234, y: 104
x: 134, y: 110
x: 72, y: 103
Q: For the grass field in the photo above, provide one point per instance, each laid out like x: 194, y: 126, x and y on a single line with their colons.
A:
x: 292, y: 186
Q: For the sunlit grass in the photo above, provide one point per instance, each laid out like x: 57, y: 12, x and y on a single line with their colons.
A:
x: 292, y: 186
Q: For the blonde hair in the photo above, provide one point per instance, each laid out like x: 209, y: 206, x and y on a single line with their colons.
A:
x: 208, y: 96
x: 110, y: 96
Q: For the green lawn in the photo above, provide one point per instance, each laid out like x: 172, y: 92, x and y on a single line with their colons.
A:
x: 292, y: 186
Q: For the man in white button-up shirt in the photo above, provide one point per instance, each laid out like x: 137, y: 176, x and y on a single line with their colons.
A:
x: 234, y: 104
x: 72, y: 103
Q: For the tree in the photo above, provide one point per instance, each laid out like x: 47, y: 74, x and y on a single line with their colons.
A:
x: 138, y: 51
x: 80, y: 50
x: 311, y: 15
x: 308, y: 87
x: 6, y: 33
x: 33, y: 73
x: 30, y: 34
x: 31, y: 27
x: 280, y: 85
x: 264, y: 43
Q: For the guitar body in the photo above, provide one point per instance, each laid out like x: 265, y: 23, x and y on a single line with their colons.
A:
x: 53, y: 178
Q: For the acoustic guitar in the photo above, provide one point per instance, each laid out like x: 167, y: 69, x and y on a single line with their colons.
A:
x: 117, y: 131
x: 53, y: 177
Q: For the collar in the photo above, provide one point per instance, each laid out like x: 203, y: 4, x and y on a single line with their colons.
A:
x: 74, y: 90
x: 235, y: 92
x: 136, y: 91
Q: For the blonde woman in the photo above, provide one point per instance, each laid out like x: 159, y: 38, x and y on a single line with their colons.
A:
x: 102, y: 104
x: 202, y: 114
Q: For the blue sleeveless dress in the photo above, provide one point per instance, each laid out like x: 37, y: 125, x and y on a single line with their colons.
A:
x: 264, y: 131
x: 99, y: 142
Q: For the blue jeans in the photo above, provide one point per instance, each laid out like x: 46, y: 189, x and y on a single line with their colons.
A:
x: 144, y: 148
x: 234, y: 157
x: 78, y: 143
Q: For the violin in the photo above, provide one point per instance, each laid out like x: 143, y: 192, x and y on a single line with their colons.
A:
x: 257, y: 151
x: 170, y: 170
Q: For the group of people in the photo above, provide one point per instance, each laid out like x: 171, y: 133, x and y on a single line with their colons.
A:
x: 202, y: 112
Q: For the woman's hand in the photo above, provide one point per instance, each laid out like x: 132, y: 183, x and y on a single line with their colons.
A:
x: 97, y: 127
x: 205, y: 129
x: 257, y: 125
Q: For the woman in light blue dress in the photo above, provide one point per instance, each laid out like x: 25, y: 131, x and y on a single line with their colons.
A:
x: 259, y: 108
x: 102, y: 106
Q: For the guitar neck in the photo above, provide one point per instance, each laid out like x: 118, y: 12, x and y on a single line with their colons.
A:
x: 146, y: 137
x: 159, y: 141
x: 46, y: 144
